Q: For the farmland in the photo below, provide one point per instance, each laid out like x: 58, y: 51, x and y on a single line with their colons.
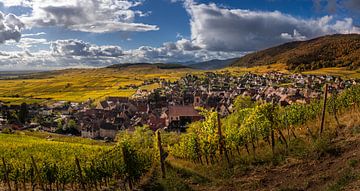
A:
x: 81, y: 84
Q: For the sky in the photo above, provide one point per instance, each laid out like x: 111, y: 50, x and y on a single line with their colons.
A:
x: 57, y: 34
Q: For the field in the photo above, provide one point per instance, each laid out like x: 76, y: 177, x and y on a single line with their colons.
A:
x: 336, y: 72
x: 80, y: 84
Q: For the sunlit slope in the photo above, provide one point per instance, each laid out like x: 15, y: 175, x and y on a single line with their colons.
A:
x: 322, y: 52
x: 81, y: 84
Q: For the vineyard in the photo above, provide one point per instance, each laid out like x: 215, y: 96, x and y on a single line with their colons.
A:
x: 30, y: 163
x: 34, y: 163
x: 251, y: 124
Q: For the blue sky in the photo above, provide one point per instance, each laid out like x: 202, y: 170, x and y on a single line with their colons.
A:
x: 55, y: 34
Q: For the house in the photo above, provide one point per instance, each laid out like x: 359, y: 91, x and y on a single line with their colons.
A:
x: 108, y: 130
x: 118, y: 99
x: 156, y: 122
x: 90, y: 131
x: 180, y: 115
x: 103, y: 105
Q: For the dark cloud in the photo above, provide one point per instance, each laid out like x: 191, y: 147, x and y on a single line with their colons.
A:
x: 74, y: 47
x: 10, y: 28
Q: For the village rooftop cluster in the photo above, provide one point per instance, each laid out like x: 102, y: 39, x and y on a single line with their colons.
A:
x: 172, y: 106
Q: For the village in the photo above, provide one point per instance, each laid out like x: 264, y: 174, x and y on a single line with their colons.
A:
x: 172, y: 106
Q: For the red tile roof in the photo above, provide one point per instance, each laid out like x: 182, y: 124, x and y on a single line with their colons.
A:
x: 180, y: 110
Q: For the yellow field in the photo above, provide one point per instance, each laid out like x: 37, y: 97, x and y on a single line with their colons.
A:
x: 343, y: 72
x: 259, y: 69
x: 80, y: 84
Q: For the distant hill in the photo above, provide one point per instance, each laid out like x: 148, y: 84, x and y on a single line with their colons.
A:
x: 213, y: 64
x: 327, y: 51
x: 158, y: 65
x: 206, y: 65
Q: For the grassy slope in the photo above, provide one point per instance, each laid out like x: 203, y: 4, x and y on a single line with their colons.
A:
x: 332, y: 163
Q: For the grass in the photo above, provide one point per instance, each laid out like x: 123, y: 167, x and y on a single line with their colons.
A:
x: 347, y: 177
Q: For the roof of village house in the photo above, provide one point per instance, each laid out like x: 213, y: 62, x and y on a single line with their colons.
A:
x: 107, y: 126
x: 118, y: 99
x: 183, y: 110
x: 104, y: 104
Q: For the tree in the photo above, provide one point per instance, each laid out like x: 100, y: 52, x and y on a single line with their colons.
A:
x: 23, y: 113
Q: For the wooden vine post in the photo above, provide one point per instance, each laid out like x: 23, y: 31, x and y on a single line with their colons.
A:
x: 80, y: 173
x: 37, y: 173
x: 24, y: 177
x: 6, y: 174
x: 126, y: 159
x: 161, y: 154
x: 222, y: 146
x: 324, y: 109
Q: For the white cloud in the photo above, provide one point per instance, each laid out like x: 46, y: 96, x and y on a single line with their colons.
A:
x: 222, y: 29
x: 295, y: 36
x: 46, y: 60
x: 27, y: 43
x: 33, y: 34
x: 10, y: 3
x: 95, y: 16
x: 10, y: 27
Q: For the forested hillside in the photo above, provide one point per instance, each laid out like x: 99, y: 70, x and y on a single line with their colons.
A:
x: 327, y: 51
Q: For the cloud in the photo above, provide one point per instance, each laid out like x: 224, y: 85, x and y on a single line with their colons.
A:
x: 33, y: 34
x: 72, y: 53
x: 11, y: 3
x: 94, y: 16
x: 26, y: 43
x: 74, y: 47
x: 47, y: 60
x: 181, y: 51
x: 10, y: 27
x: 221, y: 29
x: 216, y: 33
x: 295, y: 36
